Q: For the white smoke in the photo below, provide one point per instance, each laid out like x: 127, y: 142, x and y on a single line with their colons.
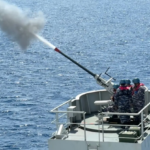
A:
x: 17, y: 24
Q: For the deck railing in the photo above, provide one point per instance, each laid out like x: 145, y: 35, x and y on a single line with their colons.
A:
x: 64, y: 113
x: 129, y: 114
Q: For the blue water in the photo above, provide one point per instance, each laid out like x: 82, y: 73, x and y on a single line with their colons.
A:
x: 96, y: 33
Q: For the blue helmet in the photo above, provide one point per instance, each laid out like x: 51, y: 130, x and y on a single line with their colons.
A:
x: 115, y: 86
x: 128, y: 82
x: 122, y: 82
x: 136, y: 80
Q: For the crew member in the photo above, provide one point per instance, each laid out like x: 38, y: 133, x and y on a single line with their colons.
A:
x: 138, y: 99
x: 122, y: 99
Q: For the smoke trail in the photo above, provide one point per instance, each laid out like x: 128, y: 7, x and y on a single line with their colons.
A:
x: 45, y: 41
x: 17, y: 24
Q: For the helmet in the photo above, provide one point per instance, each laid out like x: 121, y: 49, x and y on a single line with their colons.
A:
x: 136, y: 80
x: 128, y: 82
x: 122, y: 82
x: 115, y: 86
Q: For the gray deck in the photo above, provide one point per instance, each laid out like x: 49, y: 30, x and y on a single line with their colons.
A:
x: 78, y: 134
x: 94, y: 131
x: 93, y: 124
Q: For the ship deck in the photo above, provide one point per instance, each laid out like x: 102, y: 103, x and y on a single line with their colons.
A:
x: 78, y: 134
x: 82, y: 127
x: 94, y: 130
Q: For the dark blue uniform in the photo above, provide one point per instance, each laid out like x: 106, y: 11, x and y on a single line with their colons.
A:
x: 122, y: 99
x: 138, y: 100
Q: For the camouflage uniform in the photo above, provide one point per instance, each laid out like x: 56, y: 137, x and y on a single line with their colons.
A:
x: 122, y: 99
x: 138, y: 100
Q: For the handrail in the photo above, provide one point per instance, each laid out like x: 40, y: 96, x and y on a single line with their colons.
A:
x: 141, y: 136
x: 78, y: 112
x: 134, y: 114
x: 61, y: 105
x: 56, y: 121
x: 59, y: 118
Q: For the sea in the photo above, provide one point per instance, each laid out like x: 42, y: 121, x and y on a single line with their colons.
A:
x: 98, y: 34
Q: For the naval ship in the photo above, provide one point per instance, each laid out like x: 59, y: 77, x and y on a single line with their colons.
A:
x: 82, y: 125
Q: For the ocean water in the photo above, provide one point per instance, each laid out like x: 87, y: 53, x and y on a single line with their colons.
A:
x: 96, y: 33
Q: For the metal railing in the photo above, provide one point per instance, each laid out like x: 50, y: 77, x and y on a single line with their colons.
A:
x: 57, y: 117
x: 129, y: 114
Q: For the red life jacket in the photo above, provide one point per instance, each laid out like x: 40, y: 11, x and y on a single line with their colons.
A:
x: 137, y: 88
x: 129, y: 87
x: 123, y: 88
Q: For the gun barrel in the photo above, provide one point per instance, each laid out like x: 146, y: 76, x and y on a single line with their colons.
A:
x: 88, y: 71
x: 57, y: 50
x: 106, y: 84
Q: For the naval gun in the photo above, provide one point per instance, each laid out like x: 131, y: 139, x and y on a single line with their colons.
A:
x: 107, y: 84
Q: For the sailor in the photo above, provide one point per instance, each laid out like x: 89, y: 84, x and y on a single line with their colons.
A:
x: 138, y: 99
x: 122, y: 99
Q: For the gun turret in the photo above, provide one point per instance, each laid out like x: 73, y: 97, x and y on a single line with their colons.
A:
x: 108, y: 85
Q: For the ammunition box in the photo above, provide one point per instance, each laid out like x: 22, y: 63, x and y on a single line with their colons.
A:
x: 128, y: 136
x: 136, y: 129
